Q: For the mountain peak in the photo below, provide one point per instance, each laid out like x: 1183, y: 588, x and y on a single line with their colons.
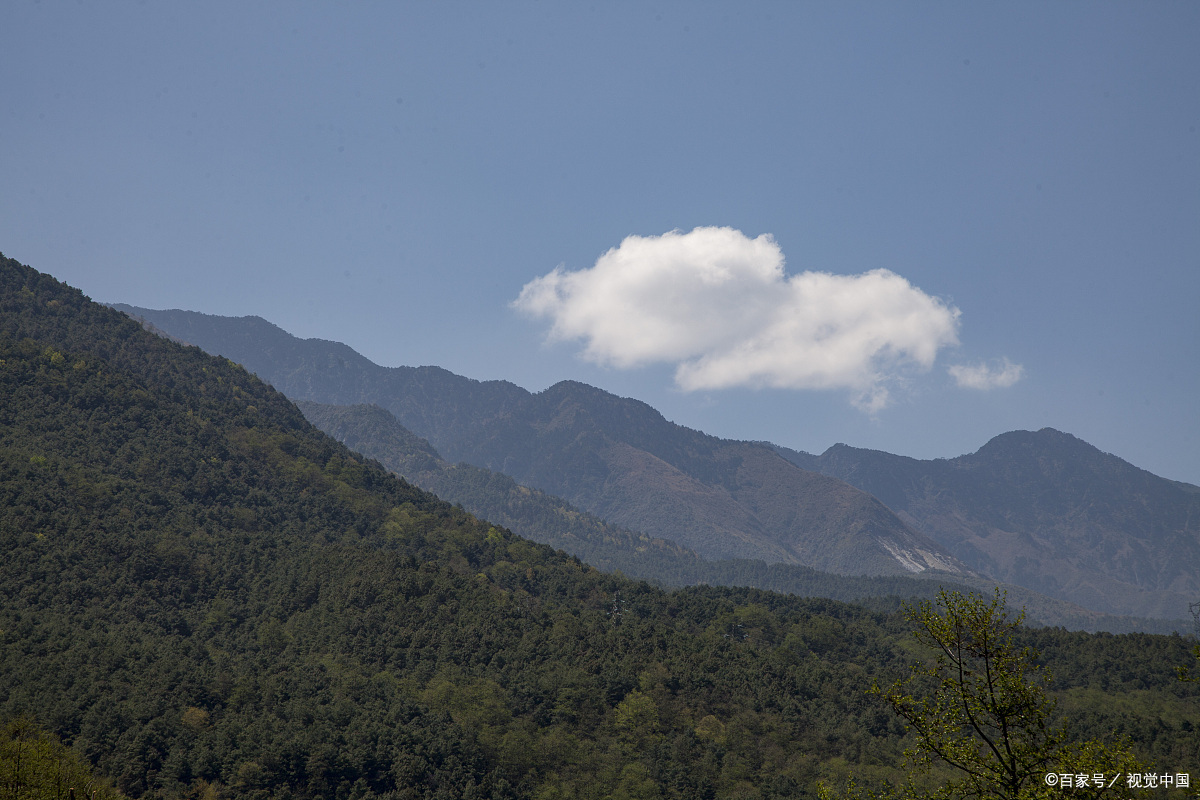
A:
x: 1046, y: 510
x: 1041, y: 436
x: 1053, y: 449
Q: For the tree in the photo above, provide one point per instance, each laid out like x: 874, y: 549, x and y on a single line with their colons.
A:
x: 1185, y: 673
x: 34, y: 764
x: 979, y: 706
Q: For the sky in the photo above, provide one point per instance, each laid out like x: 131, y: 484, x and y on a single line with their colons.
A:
x: 902, y: 226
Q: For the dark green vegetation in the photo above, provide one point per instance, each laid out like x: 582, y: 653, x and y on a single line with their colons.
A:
x: 1185, y: 670
x: 978, y: 706
x: 377, y: 434
x: 531, y: 513
x: 613, y: 457
x: 203, y: 595
x: 1042, y: 511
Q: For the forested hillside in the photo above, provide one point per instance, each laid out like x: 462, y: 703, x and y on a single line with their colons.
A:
x: 536, y: 515
x: 1060, y: 523
x: 376, y: 433
x: 207, y: 597
x: 612, y: 456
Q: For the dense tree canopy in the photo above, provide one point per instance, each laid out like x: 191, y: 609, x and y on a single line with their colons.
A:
x: 202, y: 595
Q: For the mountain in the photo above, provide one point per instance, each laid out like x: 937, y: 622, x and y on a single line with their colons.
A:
x: 204, y: 596
x: 616, y: 458
x: 376, y: 433
x: 435, y: 403
x: 531, y: 513
x: 1048, y: 511
x: 1131, y: 554
x: 621, y: 460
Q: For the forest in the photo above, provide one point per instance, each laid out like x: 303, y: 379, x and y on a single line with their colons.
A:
x: 375, y: 432
x: 204, y: 596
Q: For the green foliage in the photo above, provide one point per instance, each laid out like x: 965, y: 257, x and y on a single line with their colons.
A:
x: 986, y: 715
x: 202, y: 593
x: 1185, y: 673
x: 615, y: 457
x: 204, y: 596
x: 534, y: 514
x: 34, y: 765
x: 979, y: 706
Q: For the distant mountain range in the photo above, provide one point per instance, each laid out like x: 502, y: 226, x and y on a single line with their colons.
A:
x: 202, y: 595
x: 1044, y: 511
x: 546, y: 518
x: 613, y: 457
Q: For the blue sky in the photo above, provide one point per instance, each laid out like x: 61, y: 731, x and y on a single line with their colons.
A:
x: 908, y: 227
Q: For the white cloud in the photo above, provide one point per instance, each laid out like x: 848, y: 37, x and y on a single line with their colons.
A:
x: 983, y: 377
x: 719, y: 306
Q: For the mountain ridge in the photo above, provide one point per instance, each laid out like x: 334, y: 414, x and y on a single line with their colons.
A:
x: 615, y: 457
x: 1053, y: 525
x: 1047, y: 510
x: 326, y: 371
x: 205, y: 596
x: 376, y: 433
